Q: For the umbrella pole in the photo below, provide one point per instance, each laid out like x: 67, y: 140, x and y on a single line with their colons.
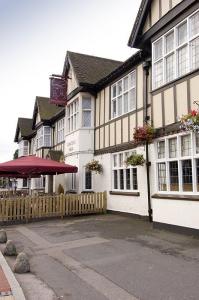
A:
x: 29, y: 185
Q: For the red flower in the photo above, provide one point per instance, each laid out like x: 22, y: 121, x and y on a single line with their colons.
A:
x: 194, y: 112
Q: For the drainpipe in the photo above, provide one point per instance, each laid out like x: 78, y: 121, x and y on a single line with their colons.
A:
x: 146, y: 66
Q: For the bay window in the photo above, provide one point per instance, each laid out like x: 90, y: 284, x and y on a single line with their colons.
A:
x: 60, y: 131
x: 23, y: 148
x: 177, y: 163
x: 44, y: 137
x: 124, y: 178
x: 73, y: 115
x: 177, y: 52
x: 123, y: 95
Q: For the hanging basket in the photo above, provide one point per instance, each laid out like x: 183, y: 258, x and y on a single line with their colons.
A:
x: 95, y: 166
x: 190, y: 122
x: 135, y: 160
x: 143, y: 134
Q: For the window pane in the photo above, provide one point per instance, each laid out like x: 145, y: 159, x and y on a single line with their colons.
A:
x: 182, y: 61
x: 169, y: 42
x: 126, y: 103
x: 88, y: 180
x: 114, y: 108
x: 194, y: 24
x: 187, y: 175
x: 197, y: 142
x: 47, y: 141
x: 126, y: 83
x: 120, y: 160
x: 114, y: 91
x: 132, y: 99
x: 186, y: 145
x: 119, y: 99
x: 128, y: 179
x: 86, y: 118
x: 119, y: 87
x: 158, y: 49
x: 173, y: 147
x: 121, y: 179
x: 115, y: 179
x: 132, y: 79
x: 134, y: 175
x: 197, y: 173
x: 173, y: 171
x: 182, y: 34
x: 194, y: 50
x: 162, y: 186
x: 161, y: 149
x: 86, y: 103
x: 158, y: 73
x: 115, y: 160
x: 169, y: 67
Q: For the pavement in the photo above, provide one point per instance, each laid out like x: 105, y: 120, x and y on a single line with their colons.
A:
x: 106, y: 257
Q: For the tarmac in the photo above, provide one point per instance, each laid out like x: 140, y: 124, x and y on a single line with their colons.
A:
x: 102, y: 257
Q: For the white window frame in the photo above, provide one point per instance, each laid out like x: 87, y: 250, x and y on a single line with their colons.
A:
x: 40, y: 137
x: 120, y: 158
x: 87, y: 110
x: 23, y: 149
x: 84, y: 181
x: 60, y: 130
x: 179, y: 158
x: 174, y: 51
x: 123, y: 92
x: 73, y: 116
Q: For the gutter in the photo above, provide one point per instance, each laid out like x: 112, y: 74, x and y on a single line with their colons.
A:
x: 146, y: 66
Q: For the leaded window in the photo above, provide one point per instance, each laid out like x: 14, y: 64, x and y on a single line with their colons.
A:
x: 177, y: 52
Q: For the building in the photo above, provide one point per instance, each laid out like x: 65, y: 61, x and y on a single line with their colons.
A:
x: 107, y: 100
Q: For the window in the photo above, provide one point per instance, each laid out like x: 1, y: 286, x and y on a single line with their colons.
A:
x: 73, y: 181
x: 123, y: 95
x: 177, y: 52
x: 23, y: 148
x: 60, y: 131
x: 44, y: 137
x: 88, y: 180
x: 177, y: 165
x: 25, y: 183
x: 86, y: 111
x: 73, y: 115
x: 124, y: 178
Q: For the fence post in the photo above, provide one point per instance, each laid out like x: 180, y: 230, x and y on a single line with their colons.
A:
x: 26, y: 199
x: 105, y: 202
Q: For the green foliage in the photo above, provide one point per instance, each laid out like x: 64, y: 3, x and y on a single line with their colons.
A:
x: 95, y: 166
x: 60, y: 189
x: 135, y: 160
x: 16, y: 154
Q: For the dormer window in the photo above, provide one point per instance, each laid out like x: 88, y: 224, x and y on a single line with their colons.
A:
x: 44, y: 137
x: 23, y: 148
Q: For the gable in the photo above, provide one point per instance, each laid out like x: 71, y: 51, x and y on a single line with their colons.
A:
x: 72, y: 80
x: 149, y: 15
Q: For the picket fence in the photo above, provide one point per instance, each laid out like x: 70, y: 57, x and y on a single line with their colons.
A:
x: 29, y: 208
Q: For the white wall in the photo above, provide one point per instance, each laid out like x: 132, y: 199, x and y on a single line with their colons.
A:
x: 130, y: 204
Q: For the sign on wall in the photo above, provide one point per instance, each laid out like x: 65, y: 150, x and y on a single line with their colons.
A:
x: 58, y: 90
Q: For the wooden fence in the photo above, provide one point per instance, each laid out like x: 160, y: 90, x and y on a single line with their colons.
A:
x: 31, y: 208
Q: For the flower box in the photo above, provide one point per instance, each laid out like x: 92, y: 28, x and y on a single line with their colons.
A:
x: 143, y: 134
x: 95, y: 166
x: 190, y: 122
x: 135, y: 160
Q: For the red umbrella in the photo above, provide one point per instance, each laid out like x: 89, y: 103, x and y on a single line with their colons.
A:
x: 32, y: 166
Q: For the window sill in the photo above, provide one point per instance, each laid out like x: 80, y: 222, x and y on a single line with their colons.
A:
x: 124, y: 193
x: 176, y: 197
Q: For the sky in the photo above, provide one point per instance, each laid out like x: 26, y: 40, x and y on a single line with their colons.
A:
x: 35, y: 35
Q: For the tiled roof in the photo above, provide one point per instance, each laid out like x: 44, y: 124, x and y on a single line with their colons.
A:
x: 46, y: 110
x: 90, y: 69
x: 24, y: 125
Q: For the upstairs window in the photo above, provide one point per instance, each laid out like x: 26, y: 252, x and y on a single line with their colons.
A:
x: 73, y: 115
x: 123, y: 95
x: 60, y: 131
x: 177, y: 52
x: 86, y: 111
x: 44, y: 137
x: 23, y: 148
